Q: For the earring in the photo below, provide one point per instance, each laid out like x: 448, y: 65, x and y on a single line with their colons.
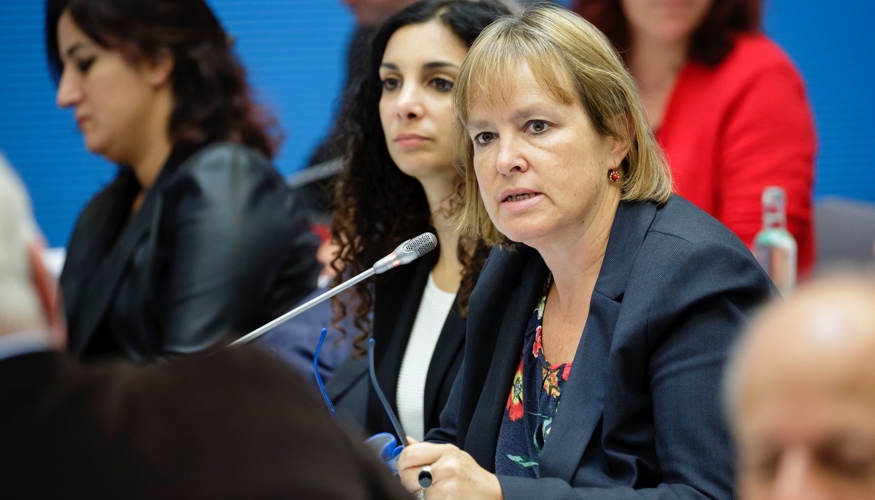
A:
x: 613, y: 175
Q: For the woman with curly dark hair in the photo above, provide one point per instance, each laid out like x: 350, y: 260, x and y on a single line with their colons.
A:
x: 198, y: 236
x: 398, y: 181
x: 726, y: 104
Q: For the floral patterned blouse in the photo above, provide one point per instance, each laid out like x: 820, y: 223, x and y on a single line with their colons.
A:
x: 532, y: 403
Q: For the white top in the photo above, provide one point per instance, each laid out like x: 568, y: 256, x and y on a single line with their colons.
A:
x: 15, y: 344
x: 410, y: 398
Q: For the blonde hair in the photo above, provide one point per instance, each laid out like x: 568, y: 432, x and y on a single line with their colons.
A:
x: 574, y: 62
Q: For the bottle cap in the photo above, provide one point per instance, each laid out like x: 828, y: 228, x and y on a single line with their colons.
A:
x: 773, y: 199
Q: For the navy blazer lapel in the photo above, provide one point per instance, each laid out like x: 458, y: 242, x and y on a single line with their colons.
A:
x: 582, y: 403
x: 504, y: 340
x: 631, y: 223
x: 97, y: 295
x: 450, y: 341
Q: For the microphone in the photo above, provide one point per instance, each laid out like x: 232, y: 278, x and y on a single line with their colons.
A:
x: 405, y: 253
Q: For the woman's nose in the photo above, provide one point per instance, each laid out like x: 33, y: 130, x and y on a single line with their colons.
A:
x: 69, y: 91
x: 509, y: 157
x: 410, y: 104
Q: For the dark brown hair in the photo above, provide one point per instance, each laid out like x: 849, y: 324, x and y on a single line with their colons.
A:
x: 212, y: 100
x: 711, y: 42
x: 378, y: 206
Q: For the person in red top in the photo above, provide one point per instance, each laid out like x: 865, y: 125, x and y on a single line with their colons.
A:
x: 725, y: 102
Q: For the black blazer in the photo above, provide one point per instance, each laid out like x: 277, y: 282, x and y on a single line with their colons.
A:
x: 640, y: 414
x: 217, y: 247
x: 397, y: 299
x: 235, y: 424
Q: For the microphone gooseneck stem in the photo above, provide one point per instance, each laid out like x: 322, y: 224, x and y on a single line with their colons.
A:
x: 249, y: 337
x: 372, y: 373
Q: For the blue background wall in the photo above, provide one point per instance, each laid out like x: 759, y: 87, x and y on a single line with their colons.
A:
x: 294, y: 52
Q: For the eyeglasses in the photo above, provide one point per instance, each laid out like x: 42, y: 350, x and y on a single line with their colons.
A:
x: 383, y: 443
x: 319, y: 382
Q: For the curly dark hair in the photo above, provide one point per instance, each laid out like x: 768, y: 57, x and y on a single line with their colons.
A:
x: 377, y: 206
x: 711, y: 42
x: 212, y: 100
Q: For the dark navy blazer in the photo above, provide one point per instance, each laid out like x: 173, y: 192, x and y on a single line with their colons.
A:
x: 640, y: 415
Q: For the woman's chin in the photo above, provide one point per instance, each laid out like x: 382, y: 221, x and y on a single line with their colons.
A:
x: 97, y: 147
x: 523, y: 234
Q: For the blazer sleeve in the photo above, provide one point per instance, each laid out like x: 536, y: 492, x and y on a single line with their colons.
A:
x: 446, y: 432
x: 697, y: 306
x: 704, y: 303
x: 229, y: 229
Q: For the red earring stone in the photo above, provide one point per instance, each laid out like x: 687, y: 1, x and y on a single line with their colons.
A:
x: 613, y: 175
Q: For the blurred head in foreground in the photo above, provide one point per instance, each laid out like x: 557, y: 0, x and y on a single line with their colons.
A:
x: 801, y: 393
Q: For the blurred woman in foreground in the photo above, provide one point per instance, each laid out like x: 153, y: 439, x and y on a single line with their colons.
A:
x: 599, y: 329
x: 197, y: 237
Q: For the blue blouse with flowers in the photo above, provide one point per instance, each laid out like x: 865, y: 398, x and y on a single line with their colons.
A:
x: 532, y: 403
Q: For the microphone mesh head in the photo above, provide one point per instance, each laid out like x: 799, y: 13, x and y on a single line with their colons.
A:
x: 422, y: 244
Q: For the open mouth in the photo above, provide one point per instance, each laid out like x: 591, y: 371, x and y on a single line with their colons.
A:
x: 520, y: 197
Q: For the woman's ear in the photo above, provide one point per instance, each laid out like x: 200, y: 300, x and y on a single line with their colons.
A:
x: 618, y: 151
x: 618, y: 147
x: 159, y: 69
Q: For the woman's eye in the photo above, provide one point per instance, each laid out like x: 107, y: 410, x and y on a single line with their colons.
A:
x: 84, y: 65
x: 483, y: 138
x: 442, y: 85
x: 851, y: 464
x: 538, y: 126
x: 391, y: 83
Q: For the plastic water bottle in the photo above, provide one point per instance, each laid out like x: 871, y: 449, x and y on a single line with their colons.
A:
x: 774, y: 246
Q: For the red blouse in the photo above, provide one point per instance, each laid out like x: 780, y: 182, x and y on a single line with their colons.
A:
x: 732, y: 130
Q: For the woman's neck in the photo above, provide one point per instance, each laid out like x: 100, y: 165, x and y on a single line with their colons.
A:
x: 447, y: 272
x: 655, y: 66
x: 151, y: 152
x: 151, y: 161
x: 147, y: 168
x: 575, y: 264
x: 576, y: 260
x: 576, y: 270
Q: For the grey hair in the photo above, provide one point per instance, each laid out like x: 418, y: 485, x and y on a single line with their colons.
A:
x: 20, y: 308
